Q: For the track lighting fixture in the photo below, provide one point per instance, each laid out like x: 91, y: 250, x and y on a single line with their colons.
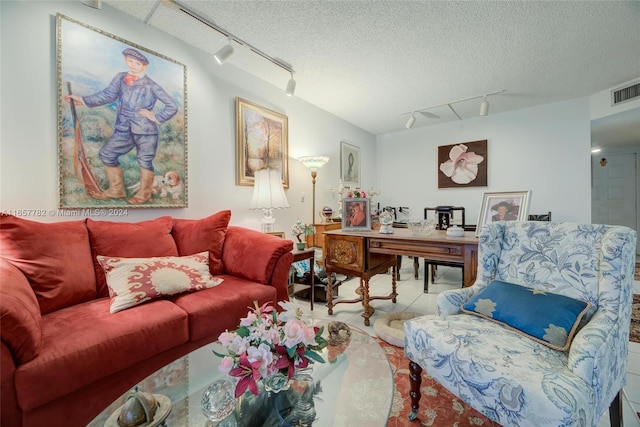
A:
x: 411, y: 121
x: 224, y: 53
x: 96, y: 4
x: 484, y: 108
x: 291, y: 86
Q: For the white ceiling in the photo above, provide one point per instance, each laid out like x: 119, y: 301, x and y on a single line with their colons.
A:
x: 370, y: 61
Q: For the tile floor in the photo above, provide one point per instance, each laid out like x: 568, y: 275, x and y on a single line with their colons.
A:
x: 412, y: 298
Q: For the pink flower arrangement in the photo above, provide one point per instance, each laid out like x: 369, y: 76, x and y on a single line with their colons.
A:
x: 268, y: 342
x: 356, y: 194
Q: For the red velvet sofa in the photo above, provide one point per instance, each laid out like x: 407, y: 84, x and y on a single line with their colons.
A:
x: 64, y: 356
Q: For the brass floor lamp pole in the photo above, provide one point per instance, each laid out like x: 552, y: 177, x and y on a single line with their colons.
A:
x: 314, y: 163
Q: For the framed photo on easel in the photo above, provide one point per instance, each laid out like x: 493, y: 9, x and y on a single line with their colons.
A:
x: 355, y: 215
x: 503, y: 206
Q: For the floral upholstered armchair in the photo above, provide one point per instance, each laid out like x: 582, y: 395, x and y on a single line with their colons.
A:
x: 541, y: 338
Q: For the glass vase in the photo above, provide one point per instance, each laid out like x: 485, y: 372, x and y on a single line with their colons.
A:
x: 277, y: 382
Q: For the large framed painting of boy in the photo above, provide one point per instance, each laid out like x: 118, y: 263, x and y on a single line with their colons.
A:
x: 122, y: 122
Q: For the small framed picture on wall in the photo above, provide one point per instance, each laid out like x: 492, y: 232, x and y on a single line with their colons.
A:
x: 349, y: 165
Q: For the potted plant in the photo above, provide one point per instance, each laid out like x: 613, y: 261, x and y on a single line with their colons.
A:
x: 300, y: 229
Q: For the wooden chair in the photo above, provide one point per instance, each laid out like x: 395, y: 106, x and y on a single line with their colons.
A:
x: 444, y: 216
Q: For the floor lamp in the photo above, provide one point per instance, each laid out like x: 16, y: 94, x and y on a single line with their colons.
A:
x: 268, y: 194
x: 313, y: 163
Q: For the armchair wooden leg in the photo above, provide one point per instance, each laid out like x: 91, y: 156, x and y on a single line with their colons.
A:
x: 615, y: 411
x: 415, y: 380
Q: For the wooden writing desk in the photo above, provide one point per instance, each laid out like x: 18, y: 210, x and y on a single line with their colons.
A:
x: 367, y: 253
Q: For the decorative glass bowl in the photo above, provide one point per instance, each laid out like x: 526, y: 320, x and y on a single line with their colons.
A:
x: 421, y: 228
x: 218, y: 401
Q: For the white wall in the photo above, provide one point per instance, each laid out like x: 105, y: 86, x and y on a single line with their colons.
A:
x: 544, y: 149
x: 28, y: 143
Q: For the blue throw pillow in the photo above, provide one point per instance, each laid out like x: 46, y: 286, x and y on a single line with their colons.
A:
x: 550, y: 319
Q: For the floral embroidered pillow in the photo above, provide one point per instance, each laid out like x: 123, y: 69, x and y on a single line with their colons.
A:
x: 132, y: 281
x: 550, y: 319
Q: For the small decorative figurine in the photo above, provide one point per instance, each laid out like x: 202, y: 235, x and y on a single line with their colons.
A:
x: 339, y: 332
x: 386, y: 223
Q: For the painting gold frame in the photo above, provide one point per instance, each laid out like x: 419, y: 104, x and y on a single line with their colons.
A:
x: 91, y: 64
x: 262, y: 141
x: 518, y: 202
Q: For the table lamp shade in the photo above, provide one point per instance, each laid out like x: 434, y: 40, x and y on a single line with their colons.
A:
x: 268, y: 192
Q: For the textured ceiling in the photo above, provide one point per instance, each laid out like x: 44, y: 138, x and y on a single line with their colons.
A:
x: 369, y: 62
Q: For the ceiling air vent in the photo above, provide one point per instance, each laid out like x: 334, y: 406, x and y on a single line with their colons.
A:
x: 625, y: 94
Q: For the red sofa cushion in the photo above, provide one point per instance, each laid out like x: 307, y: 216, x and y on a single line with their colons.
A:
x: 222, y: 307
x: 55, y: 258
x: 206, y: 234
x: 20, y: 314
x: 126, y: 239
x: 85, y: 343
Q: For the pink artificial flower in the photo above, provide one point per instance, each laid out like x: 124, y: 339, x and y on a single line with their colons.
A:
x: 226, y: 338
x: 226, y: 364
x: 309, y: 334
x: 462, y: 167
x: 247, y: 373
x: 293, y: 332
x: 261, y: 354
x: 248, y: 321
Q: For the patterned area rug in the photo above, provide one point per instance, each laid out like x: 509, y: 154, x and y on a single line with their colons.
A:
x: 438, y: 407
x: 634, y: 330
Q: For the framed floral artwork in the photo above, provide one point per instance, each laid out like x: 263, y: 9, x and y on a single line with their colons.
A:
x: 355, y: 214
x: 503, y: 206
x: 262, y: 141
x: 122, y: 122
x: 463, y: 165
x: 349, y: 165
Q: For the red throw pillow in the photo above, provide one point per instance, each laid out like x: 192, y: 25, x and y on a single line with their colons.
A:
x: 206, y: 234
x: 55, y: 258
x: 132, y: 240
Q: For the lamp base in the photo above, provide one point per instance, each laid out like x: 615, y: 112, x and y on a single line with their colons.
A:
x: 267, y: 220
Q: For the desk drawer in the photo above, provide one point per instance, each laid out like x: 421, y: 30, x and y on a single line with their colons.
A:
x: 423, y: 249
x: 345, y: 252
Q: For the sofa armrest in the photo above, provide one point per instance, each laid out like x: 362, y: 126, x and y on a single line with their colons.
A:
x: 9, y: 410
x: 20, y: 314
x: 253, y: 255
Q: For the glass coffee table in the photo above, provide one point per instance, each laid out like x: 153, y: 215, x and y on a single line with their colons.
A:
x: 353, y: 387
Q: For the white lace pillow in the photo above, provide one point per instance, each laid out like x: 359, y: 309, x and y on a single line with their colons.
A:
x: 132, y: 281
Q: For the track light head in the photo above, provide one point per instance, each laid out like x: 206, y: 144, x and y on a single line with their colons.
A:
x: 96, y: 4
x: 411, y: 121
x: 291, y: 86
x: 223, y: 54
x: 484, y: 107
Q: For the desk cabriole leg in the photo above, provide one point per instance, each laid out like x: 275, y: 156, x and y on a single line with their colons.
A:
x: 365, y: 300
x: 393, y: 284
